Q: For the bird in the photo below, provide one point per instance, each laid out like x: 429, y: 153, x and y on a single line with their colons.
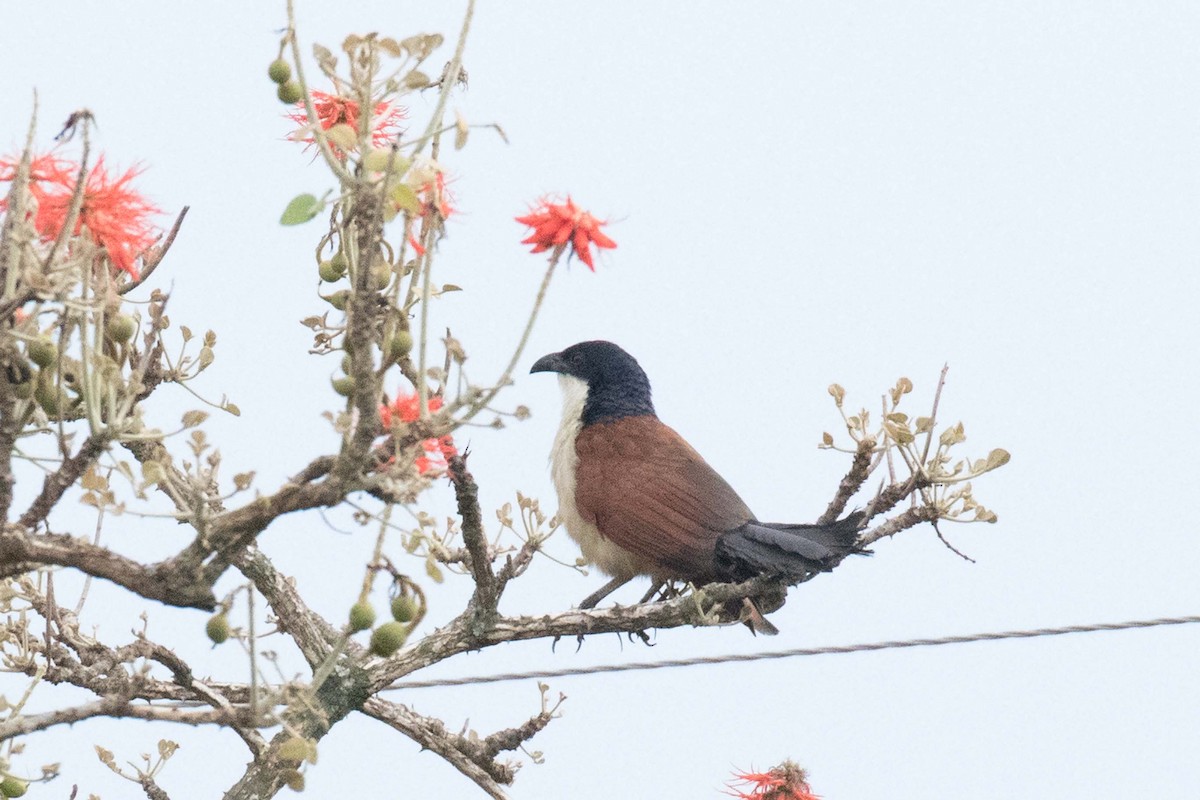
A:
x: 640, y: 501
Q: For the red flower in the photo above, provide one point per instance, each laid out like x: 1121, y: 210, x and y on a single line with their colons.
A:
x: 116, y: 217
x: 333, y: 109
x: 560, y: 224
x: 407, y: 408
x: 785, y: 782
x: 434, y: 196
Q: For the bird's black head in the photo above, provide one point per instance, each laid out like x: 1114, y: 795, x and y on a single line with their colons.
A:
x: 616, y: 385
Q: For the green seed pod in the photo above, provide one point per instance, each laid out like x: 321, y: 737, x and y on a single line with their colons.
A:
x: 339, y: 299
x: 378, y: 158
x: 217, y: 628
x: 13, y: 787
x: 24, y: 391
x: 405, y: 608
x: 381, y: 274
x: 345, y: 387
x: 398, y: 345
x: 42, y: 351
x: 362, y: 616
x: 120, y: 328
x: 329, y: 273
x: 279, y: 71
x: 340, y: 261
x: 289, y: 93
x: 388, y: 638
x: 46, y: 394
x: 296, y: 748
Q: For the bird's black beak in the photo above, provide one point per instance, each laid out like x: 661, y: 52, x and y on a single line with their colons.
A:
x: 550, y: 363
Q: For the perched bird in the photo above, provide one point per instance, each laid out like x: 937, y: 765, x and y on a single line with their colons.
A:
x: 639, y: 500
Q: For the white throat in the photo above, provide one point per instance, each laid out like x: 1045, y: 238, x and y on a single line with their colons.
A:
x: 563, y: 460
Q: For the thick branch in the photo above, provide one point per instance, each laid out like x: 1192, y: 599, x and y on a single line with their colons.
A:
x: 20, y: 550
x: 57, y: 482
x: 466, y: 491
x: 706, y: 606
x: 311, y: 633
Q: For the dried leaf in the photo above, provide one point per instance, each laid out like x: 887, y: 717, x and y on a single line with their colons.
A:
x: 107, y: 758
x: 193, y: 418
x: 952, y: 435
x: 827, y: 439
x: 416, y: 80
x: 325, y: 59
x: 390, y: 46
x: 460, y: 131
x: 997, y: 458
x: 186, y: 332
x: 92, y: 480
x: 838, y: 393
x: 153, y: 472
x: 206, y: 357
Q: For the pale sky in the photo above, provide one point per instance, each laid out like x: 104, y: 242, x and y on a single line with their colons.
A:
x: 802, y: 193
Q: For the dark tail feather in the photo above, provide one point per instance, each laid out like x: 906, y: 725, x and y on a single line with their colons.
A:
x: 792, y: 553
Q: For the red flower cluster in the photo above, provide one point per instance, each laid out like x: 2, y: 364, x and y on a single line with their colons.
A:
x: 407, y: 408
x: 559, y: 224
x: 333, y: 109
x: 785, y: 782
x: 116, y: 217
x: 434, y: 196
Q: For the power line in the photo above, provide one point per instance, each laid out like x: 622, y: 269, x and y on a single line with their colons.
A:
x: 802, y: 651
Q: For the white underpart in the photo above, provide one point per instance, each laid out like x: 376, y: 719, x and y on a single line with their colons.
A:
x: 597, y: 550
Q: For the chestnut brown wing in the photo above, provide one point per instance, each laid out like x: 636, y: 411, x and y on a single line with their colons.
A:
x: 650, y: 493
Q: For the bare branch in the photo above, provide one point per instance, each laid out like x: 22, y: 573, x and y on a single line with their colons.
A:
x: 432, y: 734
x: 466, y: 491
x: 156, y: 255
x: 910, y: 518
x: 57, y: 482
x: 860, y: 468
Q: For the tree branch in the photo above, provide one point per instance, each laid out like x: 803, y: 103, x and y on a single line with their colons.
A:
x: 466, y: 492
x: 57, y: 482
x: 432, y: 734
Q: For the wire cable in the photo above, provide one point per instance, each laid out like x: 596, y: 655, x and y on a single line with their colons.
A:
x: 793, y: 653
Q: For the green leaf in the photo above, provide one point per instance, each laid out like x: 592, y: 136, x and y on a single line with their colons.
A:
x: 302, y: 208
x: 405, y: 198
